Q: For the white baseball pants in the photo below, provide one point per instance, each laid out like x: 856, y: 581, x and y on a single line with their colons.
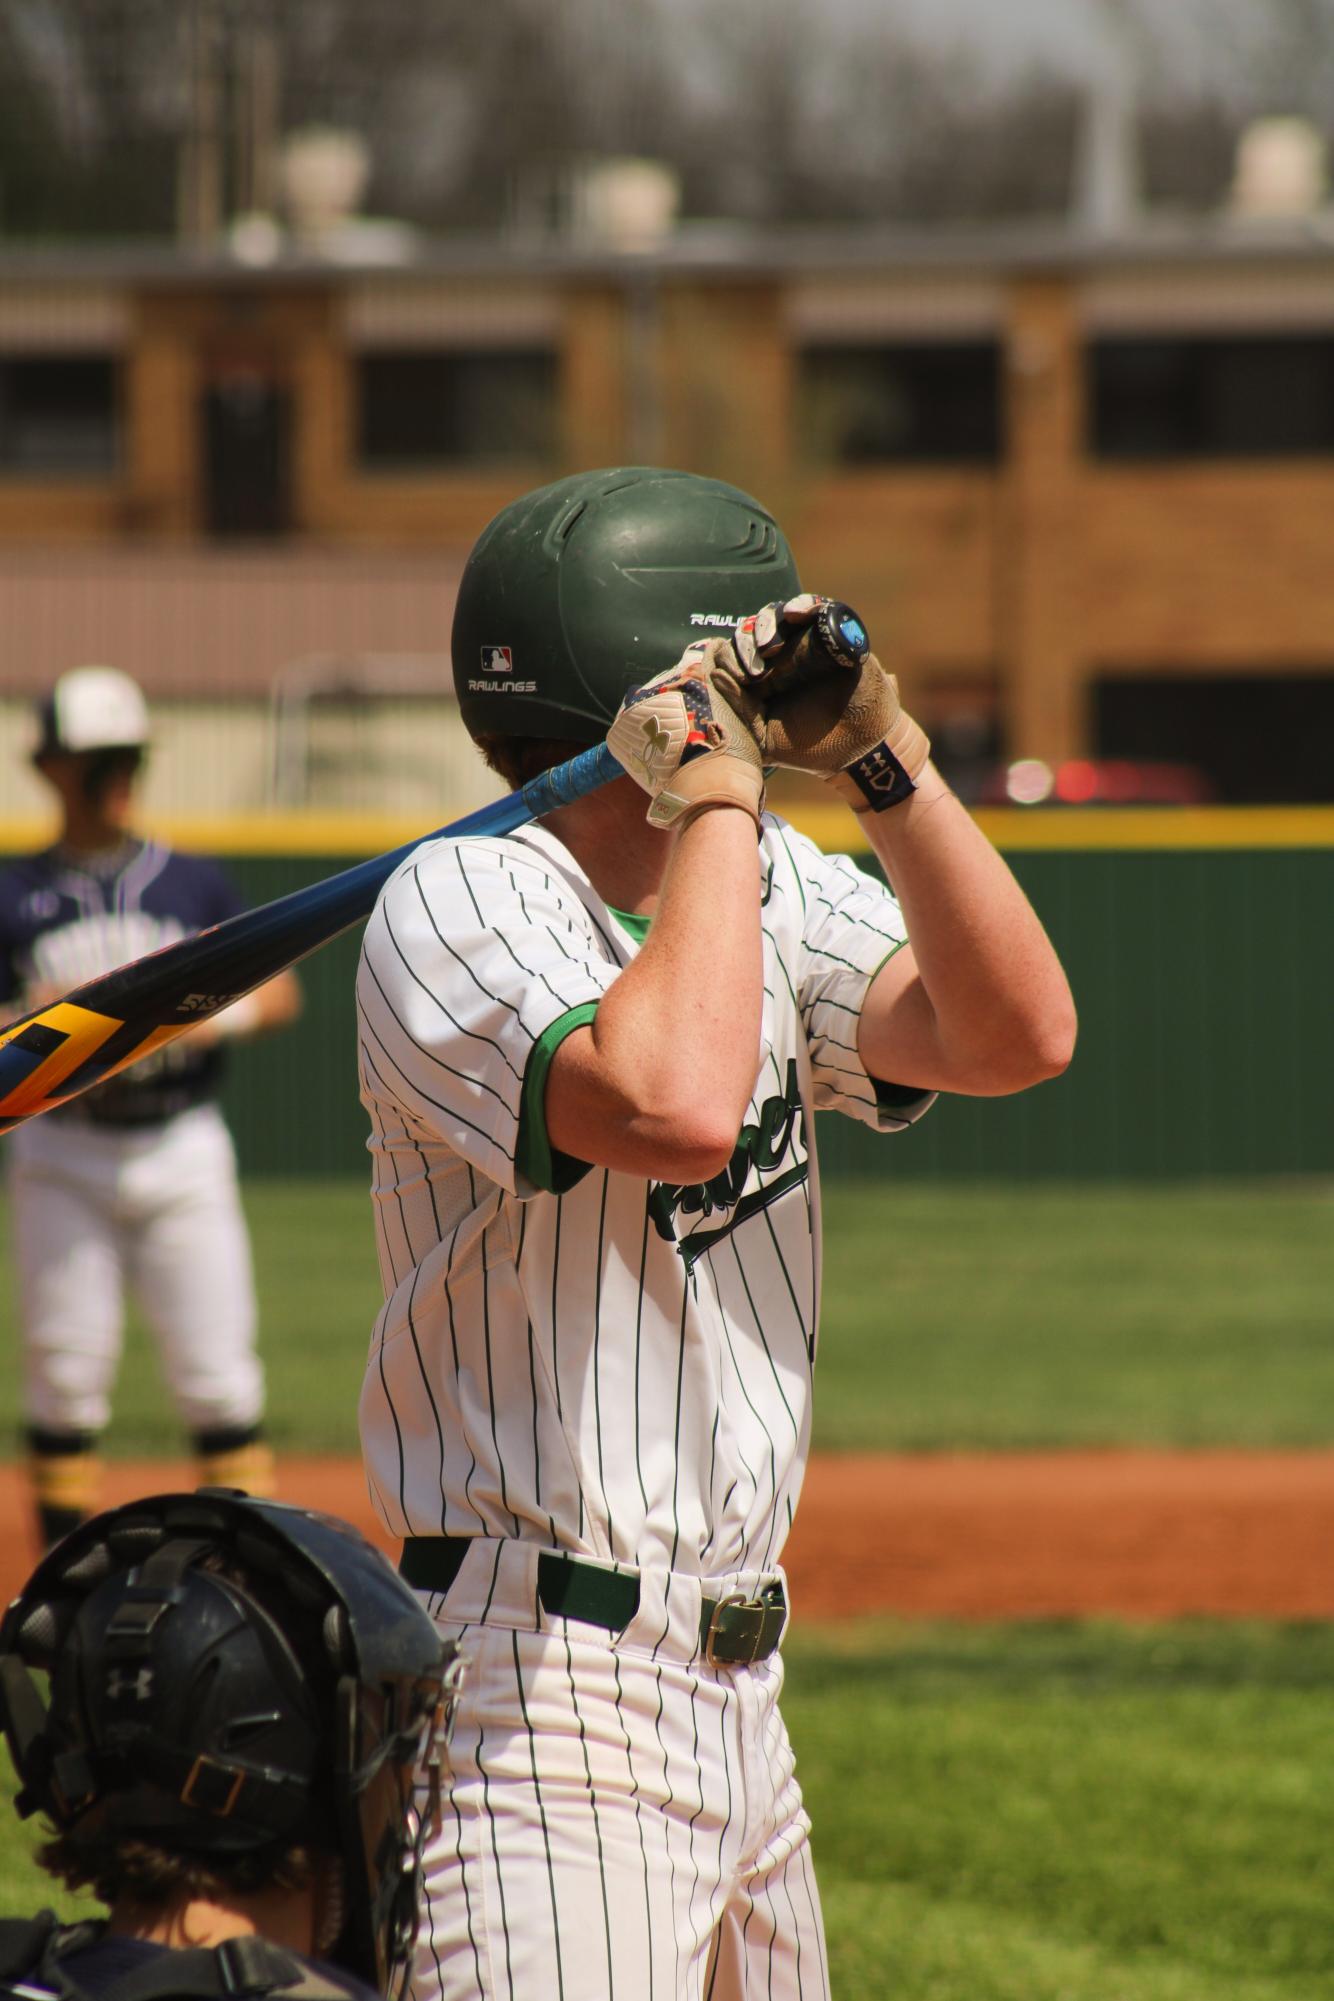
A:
x: 97, y: 1211
x: 617, y: 1828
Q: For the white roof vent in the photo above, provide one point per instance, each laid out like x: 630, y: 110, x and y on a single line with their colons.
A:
x: 626, y: 204
x: 1281, y: 170
x: 324, y: 176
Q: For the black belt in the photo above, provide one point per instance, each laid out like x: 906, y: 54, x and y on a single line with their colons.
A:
x: 733, y: 1630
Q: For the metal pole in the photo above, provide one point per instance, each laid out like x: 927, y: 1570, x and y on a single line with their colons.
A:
x: 199, y: 173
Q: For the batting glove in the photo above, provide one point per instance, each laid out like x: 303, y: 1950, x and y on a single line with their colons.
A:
x: 689, y: 736
x: 828, y: 705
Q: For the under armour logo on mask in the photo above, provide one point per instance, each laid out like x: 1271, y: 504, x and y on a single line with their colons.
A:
x: 139, y: 1684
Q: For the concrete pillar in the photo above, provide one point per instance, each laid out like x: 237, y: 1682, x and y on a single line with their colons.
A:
x: 726, y: 383
x: 595, y: 385
x: 162, y: 444
x: 1039, y: 641
x: 323, y: 419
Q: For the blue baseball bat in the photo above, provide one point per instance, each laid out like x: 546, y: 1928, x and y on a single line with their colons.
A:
x: 62, y: 1050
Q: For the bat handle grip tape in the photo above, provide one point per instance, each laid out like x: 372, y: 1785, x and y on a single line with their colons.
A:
x: 569, y: 781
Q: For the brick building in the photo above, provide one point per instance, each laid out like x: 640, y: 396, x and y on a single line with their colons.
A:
x: 1082, y: 490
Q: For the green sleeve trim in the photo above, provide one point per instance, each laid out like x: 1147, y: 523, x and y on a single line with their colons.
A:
x: 534, y: 1155
x: 633, y: 922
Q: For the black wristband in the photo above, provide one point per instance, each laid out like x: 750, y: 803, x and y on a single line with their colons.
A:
x: 880, y: 778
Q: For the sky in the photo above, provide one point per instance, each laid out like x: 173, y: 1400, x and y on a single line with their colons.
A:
x: 1065, y: 32
x: 1189, y: 36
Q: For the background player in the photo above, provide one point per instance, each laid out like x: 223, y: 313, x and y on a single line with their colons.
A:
x: 134, y: 1185
x: 238, y: 1694
x: 591, y: 1053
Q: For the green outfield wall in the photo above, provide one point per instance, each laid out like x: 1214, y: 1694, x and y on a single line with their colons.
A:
x: 1205, y: 989
x: 1202, y: 965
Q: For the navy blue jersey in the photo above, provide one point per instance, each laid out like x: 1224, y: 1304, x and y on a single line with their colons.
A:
x: 65, y: 919
x: 91, y: 1961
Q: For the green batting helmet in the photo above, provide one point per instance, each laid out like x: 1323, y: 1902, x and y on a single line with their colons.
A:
x: 582, y: 589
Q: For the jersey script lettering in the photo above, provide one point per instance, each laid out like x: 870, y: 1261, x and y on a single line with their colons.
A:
x: 762, y: 1145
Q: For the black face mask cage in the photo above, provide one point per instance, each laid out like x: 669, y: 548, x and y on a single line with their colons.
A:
x: 384, y: 1736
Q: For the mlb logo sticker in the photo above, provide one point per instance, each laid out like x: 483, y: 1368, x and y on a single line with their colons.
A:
x: 497, y: 660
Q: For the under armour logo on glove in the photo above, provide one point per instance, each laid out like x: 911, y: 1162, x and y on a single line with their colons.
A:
x: 657, y: 740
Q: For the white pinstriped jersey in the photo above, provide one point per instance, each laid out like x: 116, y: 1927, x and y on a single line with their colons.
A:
x: 565, y: 1354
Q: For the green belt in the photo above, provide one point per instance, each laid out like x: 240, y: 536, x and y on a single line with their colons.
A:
x: 733, y: 1631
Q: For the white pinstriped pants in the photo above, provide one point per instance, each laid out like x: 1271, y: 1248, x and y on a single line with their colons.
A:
x: 618, y: 1828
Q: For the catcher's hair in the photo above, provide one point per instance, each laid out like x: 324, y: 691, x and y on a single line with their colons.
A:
x: 517, y: 758
x: 126, y: 1870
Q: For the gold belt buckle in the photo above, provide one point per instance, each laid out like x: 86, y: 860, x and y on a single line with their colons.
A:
x: 730, y: 1598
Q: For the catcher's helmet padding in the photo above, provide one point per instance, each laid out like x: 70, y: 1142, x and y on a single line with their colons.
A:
x: 229, y: 1676
x: 582, y: 589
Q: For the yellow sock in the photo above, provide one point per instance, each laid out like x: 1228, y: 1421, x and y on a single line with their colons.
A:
x: 66, y: 1487
x: 249, y: 1467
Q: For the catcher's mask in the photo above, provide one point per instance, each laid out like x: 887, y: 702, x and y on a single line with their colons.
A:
x: 580, y: 590
x: 227, y: 1676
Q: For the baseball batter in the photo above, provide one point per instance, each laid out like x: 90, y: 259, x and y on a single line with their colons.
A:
x: 134, y: 1185
x: 591, y: 1053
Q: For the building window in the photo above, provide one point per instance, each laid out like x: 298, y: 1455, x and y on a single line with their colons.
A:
x: 901, y: 403
x: 1268, y: 396
x: 58, y: 414
x: 458, y: 406
x: 247, y: 455
x: 1259, y: 739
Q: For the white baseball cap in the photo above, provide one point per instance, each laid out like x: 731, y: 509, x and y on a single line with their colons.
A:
x: 93, y: 708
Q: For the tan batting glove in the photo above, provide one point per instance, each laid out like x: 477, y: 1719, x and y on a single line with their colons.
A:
x: 828, y: 705
x: 689, y: 737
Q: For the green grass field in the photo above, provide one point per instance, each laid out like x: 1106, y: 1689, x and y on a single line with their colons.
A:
x: 970, y: 1316
x: 1017, y: 1813
x: 1068, y: 1813
x: 1084, y: 1315
x: 1055, y: 1813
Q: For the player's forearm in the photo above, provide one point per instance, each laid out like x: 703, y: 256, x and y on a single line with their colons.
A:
x: 994, y: 1012
x: 660, y: 1082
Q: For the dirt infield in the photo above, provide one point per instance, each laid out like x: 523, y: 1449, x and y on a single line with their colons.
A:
x: 1140, y: 1534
